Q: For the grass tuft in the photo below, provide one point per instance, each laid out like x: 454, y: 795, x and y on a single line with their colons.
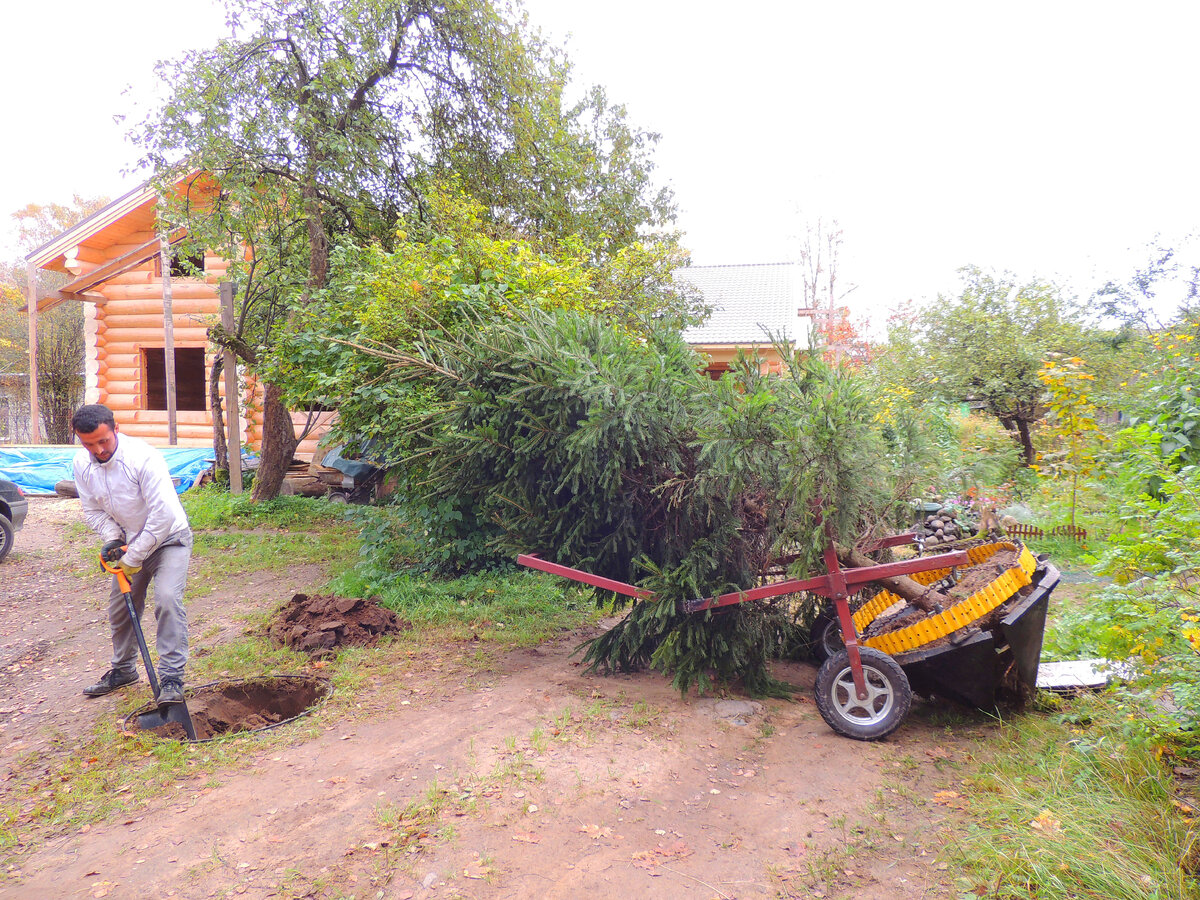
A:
x: 1064, y: 809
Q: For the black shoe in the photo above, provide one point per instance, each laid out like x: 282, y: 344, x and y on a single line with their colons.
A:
x: 170, y: 690
x: 109, y: 682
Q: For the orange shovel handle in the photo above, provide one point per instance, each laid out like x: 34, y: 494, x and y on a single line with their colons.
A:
x: 122, y: 578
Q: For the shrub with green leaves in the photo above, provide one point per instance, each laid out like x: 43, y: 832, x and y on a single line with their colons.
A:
x: 607, y: 449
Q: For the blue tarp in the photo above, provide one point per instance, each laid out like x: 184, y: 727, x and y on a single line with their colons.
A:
x: 37, y: 469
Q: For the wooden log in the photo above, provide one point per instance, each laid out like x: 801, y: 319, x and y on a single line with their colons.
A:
x: 914, y: 592
x: 115, y: 309
x: 86, y: 254
x: 187, y: 429
x: 153, y: 337
x: 143, y: 275
x: 191, y: 320
x: 197, y: 417
x: 183, y: 290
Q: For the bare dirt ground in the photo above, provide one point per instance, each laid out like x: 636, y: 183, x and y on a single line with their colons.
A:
x: 520, y: 777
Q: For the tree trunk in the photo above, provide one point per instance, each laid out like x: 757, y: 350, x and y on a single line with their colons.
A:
x: 1026, y: 442
x: 220, y: 447
x: 278, y: 445
x: 914, y: 592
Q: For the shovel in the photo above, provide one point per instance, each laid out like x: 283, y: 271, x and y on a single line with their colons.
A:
x: 165, y: 712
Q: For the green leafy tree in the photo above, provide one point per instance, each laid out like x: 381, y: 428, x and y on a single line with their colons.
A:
x: 1074, y: 431
x: 328, y: 119
x: 449, y: 274
x: 986, y: 345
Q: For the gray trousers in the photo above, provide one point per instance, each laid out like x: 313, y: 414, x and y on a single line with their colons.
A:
x: 167, y: 568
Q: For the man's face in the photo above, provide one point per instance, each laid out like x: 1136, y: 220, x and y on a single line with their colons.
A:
x: 101, y: 443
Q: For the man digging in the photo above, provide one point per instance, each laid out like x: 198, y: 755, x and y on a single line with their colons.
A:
x: 128, y: 499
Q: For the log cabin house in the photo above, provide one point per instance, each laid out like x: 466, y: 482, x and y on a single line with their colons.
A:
x: 121, y: 270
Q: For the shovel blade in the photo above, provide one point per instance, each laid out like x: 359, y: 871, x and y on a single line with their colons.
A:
x: 165, y: 714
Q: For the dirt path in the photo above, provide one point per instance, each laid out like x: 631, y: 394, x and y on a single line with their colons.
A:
x: 524, y: 779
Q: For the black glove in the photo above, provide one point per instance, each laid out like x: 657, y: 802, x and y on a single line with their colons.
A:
x: 111, y: 551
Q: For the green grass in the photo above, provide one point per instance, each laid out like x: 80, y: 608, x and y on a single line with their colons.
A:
x: 1063, y: 810
x: 519, y: 609
x: 1064, y: 552
x: 227, y: 555
x: 109, y: 775
x: 212, y: 506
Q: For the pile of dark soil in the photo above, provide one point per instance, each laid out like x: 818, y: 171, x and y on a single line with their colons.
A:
x: 324, y: 622
x: 970, y: 581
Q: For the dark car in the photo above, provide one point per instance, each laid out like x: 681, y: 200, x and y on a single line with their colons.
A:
x: 13, y: 507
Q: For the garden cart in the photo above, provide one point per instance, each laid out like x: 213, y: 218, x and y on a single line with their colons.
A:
x: 862, y: 689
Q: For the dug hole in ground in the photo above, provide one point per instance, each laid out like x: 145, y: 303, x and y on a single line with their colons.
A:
x: 518, y: 776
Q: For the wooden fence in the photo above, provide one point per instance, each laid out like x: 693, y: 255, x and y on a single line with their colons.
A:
x: 1073, y: 532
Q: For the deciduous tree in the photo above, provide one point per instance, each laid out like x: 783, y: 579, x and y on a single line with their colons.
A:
x: 986, y: 345
x: 321, y: 119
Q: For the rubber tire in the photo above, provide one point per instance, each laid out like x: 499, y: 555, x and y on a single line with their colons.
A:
x: 7, y: 537
x: 825, y: 635
x: 890, y: 705
x: 337, y: 497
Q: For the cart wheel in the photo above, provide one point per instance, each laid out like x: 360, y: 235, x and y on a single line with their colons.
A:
x: 826, y: 635
x: 337, y: 497
x: 888, y: 695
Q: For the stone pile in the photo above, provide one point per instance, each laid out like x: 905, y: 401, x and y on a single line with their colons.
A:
x: 943, y: 527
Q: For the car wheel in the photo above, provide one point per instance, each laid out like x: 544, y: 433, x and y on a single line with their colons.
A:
x: 7, y: 537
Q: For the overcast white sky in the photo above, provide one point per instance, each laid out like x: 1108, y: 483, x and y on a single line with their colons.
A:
x: 1053, y: 139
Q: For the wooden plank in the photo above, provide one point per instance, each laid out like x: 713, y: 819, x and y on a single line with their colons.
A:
x: 168, y: 320
x: 233, y: 440
x: 35, y: 415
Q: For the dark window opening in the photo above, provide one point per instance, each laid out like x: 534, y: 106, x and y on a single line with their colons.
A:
x: 183, y: 265
x: 189, y: 378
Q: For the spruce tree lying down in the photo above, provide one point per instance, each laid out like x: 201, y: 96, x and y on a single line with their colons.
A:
x: 612, y: 452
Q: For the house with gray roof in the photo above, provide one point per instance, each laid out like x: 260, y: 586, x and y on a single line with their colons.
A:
x: 752, y: 307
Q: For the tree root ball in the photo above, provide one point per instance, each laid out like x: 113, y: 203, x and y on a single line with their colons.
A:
x: 322, y: 623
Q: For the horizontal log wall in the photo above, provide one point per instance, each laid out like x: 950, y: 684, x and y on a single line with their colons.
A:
x: 130, y: 321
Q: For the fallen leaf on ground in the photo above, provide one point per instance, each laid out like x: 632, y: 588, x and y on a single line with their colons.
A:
x: 527, y: 837
x: 644, y: 859
x: 595, y: 831
x: 953, y: 799
x: 1045, y: 822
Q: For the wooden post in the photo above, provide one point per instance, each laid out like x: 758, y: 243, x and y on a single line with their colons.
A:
x: 35, y: 415
x: 168, y: 338
x: 232, y: 411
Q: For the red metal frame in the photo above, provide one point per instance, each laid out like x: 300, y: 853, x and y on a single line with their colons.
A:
x: 837, y: 584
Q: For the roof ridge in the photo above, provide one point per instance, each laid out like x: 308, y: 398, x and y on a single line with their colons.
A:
x: 739, y: 265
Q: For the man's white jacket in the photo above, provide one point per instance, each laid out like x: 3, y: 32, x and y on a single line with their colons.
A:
x: 130, y: 497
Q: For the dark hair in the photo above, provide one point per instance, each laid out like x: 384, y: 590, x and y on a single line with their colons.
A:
x: 90, y: 417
